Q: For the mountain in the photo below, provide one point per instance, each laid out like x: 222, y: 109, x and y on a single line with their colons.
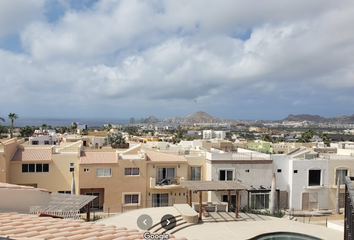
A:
x: 319, y: 119
x: 197, y: 117
x: 305, y: 117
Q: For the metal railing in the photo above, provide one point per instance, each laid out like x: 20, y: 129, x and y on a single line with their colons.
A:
x: 349, y: 209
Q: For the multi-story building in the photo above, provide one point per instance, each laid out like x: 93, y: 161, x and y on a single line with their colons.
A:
x: 251, y: 168
x: 117, y: 178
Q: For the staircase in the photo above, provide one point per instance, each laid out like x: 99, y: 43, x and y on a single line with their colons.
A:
x: 180, y: 224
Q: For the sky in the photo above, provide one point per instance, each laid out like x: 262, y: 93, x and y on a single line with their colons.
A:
x: 232, y: 59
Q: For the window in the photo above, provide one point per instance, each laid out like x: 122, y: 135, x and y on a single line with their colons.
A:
x: 259, y: 200
x: 103, y: 172
x: 247, y: 170
x: 35, y: 167
x: 65, y: 192
x: 34, y: 142
x: 165, y: 173
x: 226, y: 175
x: 341, y: 173
x: 196, y: 174
x: 159, y: 200
x: 72, y: 165
x: 131, y: 171
x: 278, y: 170
x: 314, y: 177
x: 86, y: 169
x: 46, y: 142
x: 131, y: 198
x: 295, y: 171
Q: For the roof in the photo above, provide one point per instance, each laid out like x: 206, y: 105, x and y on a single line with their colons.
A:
x: 32, y: 154
x: 25, y: 226
x: 214, y: 185
x: 154, y: 156
x: 98, y: 157
x: 14, y: 186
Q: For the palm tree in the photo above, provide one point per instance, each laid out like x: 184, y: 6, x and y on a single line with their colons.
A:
x: 12, y: 117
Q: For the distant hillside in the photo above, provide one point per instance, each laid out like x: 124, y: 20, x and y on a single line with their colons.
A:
x: 319, y: 119
x: 197, y: 117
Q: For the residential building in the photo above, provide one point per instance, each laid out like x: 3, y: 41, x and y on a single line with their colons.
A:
x: 117, y: 178
x: 251, y: 168
x: 164, y: 173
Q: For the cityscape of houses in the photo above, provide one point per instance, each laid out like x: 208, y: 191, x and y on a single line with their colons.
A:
x: 149, y: 171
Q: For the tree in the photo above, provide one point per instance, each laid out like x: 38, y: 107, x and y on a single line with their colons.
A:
x: 306, y: 136
x: 44, y: 126
x: 114, y: 139
x: 26, y: 131
x: 266, y: 138
x: 12, y: 117
x: 73, y: 126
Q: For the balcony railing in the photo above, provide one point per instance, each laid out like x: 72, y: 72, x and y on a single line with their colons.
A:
x: 166, y: 184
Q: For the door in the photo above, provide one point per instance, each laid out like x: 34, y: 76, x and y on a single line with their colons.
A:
x: 96, y: 202
x: 160, y: 200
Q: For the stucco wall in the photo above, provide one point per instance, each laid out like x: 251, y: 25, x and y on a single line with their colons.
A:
x: 20, y: 200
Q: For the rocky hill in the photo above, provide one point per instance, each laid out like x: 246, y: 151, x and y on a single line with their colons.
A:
x: 319, y: 119
x: 150, y: 119
x: 197, y: 117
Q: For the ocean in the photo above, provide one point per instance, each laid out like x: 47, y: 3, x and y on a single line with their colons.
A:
x: 22, y: 122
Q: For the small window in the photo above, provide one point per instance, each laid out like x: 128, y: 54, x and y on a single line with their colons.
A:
x: 31, y: 167
x: 226, y: 175
x: 72, y: 165
x: 86, y: 169
x: 295, y: 171
x: 39, y: 168
x: 46, y: 142
x: 34, y: 142
x: 247, y: 170
x: 24, y: 167
x: 196, y: 173
x: 314, y: 177
x: 131, y: 171
x: 46, y: 167
x: 279, y: 170
x: 64, y: 192
x: 103, y: 172
x: 131, y: 198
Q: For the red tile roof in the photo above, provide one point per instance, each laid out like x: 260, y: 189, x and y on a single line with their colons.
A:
x: 98, y: 157
x: 25, y: 226
x: 162, y: 157
x: 32, y: 154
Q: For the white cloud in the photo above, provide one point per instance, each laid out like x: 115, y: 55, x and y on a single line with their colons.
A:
x: 16, y: 14
x: 154, y: 51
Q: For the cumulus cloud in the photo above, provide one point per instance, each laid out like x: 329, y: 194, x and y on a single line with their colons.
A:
x: 167, y: 53
x: 16, y: 14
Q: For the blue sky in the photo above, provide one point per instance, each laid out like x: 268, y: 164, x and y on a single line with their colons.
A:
x: 131, y: 58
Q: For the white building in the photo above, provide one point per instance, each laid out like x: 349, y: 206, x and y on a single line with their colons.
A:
x: 251, y: 168
x: 38, y: 139
x: 211, y: 134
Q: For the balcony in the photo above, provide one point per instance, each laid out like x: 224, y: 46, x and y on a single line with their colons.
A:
x: 166, y: 184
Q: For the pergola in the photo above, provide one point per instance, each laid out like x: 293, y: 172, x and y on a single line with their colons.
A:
x: 200, y: 186
x: 65, y: 206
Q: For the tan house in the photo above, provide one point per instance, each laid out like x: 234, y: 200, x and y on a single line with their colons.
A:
x: 165, y: 172
x: 48, y: 167
x: 116, y: 178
